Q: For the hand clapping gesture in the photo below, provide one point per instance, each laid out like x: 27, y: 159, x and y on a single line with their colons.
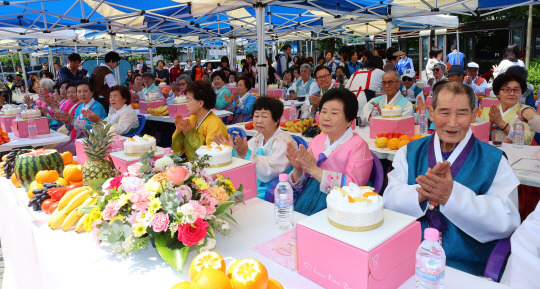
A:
x: 495, y: 116
x: 437, y: 184
x: 228, y: 98
x: 28, y: 100
x: 239, y: 144
x: 235, y: 97
x: 182, y: 125
x: 420, y: 103
x: 303, y: 160
x: 91, y: 116
x: 64, y: 117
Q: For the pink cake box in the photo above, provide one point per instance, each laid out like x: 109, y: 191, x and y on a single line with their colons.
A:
x: 402, y: 124
x: 426, y: 89
x: 143, y: 105
x: 286, y: 114
x: 488, y: 101
x: 239, y: 172
x: 275, y: 93
x: 175, y: 109
x: 481, y: 130
x: 233, y: 89
x: 377, y: 259
x: 79, y: 149
x: 488, y: 91
x: 429, y: 100
x: 254, y: 90
x: 6, y: 122
x: 166, y: 87
x: 20, y: 127
x: 122, y: 161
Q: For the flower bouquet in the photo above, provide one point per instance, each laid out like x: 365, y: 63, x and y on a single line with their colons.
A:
x: 170, y: 201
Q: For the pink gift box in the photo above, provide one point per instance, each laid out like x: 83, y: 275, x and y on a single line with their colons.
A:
x: 275, y: 93
x: 489, y: 102
x: 481, y: 130
x: 403, y: 125
x: 429, y: 100
x: 175, y: 109
x: 286, y: 116
x: 333, y: 263
x: 233, y: 89
x: 122, y: 163
x: 143, y: 105
x: 6, y: 122
x: 20, y: 127
x: 244, y: 175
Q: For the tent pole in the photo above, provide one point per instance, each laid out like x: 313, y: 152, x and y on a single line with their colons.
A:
x: 151, y: 58
x: 261, y: 55
x: 75, y: 44
x: 388, y: 33
x: 529, y: 36
x: 23, y: 69
x: 51, y: 66
x: 13, y: 62
x: 457, y: 39
x: 113, y: 47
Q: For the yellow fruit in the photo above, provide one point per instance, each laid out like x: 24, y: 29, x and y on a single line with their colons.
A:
x: 67, y: 157
x: 403, y: 142
x: 208, y: 259
x: 381, y: 142
x: 74, y: 163
x: 273, y: 284
x: 405, y: 137
x: 14, y: 181
x: 181, y: 285
x: 211, y: 279
x: 33, y: 186
x: 62, y: 182
x: 47, y: 176
x: 417, y: 136
x: 393, y: 143
x: 480, y: 112
x: 73, y: 173
x: 248, y: 274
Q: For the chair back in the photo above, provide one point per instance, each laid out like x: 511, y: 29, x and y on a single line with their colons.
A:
x: 134, y: 132
x: 234, y: 131
x: 299, y: 141
x: 377, y: 174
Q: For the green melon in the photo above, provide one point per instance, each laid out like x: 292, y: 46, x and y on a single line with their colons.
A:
x: 27, y: 165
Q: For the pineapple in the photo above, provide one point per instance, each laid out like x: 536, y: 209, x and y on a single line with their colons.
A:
x: 97, y: 142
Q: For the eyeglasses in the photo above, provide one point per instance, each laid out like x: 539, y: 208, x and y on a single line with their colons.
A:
x: 507, y: 90
x: 390, y: 82
x: 323, y: 77
x: 436, y: 70
x: 406, y: 79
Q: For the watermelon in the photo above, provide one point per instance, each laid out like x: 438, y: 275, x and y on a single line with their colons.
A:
x: 27, y: 165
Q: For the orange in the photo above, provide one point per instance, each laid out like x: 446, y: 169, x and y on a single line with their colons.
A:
x: 393, y: 143
x: 73, y: 173
x: 208, y: 259
x: 403, y: 142
x: 67, y: 157
x: 46, y: 176
x: 14, y: 181
x: 210, y: 278
x: 33, y: 186
x: 381, y: 142
x: 181, y: 285
x: 405, y: 137
x: 273, y: 284
x: 135, y: 105
x: 74, y: 163
x: 62, y: 182
x: 479, y: 112
x: 248, y: 274
x: 417, y: 136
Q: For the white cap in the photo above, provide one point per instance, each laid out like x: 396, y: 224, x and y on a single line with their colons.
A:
x: 473, y: 65
x: 409, y: 73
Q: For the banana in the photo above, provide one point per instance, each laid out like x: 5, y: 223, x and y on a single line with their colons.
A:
x: 80, y: 224
x: 56, y: 219
x: 76, y: 214
x: 77, y: 201
x: 69, y: 195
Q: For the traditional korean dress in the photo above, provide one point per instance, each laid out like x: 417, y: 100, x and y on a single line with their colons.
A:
x: 221, y: 103
x: 511, y: 118
x: 347, y: 160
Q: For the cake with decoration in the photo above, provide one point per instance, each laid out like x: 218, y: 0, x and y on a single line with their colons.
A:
x: 180, y: 99
x: 11, y: 110
x: 391, y: 111
x: 220, y: 155
x: 152, y: 96
x: 139, y: 145
x: 273, y: 87
x: 355, y: 208
x: 162, y: 83
x: 27, y: 113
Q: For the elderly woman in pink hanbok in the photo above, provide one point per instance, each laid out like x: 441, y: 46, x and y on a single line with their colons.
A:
x: 334, y: 158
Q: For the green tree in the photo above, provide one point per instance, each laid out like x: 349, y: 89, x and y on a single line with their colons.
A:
x: 521, y: 12
x: 6, y: 59
x: 334, y: 44
x: 169, y: 53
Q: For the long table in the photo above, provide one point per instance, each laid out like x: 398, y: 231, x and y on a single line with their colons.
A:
x: 37, y: 257
x: 218, y: 113
x: 47, y: 139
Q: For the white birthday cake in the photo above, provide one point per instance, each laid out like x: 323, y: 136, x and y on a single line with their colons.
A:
x: 272, y: 87
x: 220, y: 155
x: 231, y: 84
x: 152, y: 96
x: 27, y: 113
x: 180, y: 100
x: 162, y: 83
x: 391, y: 111
x: 355, y: 208
x: 11, y: 110
x: 138, y: 145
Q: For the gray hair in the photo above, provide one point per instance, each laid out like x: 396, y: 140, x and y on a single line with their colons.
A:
x: 49, y: 83
x: 455, y: 88
x: 308, y: 66
x: 397, y: 77
x: 185, y: 77
x: 442, y: 66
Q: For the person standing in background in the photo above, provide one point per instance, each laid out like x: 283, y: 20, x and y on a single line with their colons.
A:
x: 455, y: 57
x: 162, y: 74
x: 102, y: 78
x: 197, y: 70
x: 175, y: 71
x: 71, y: 71
x: 404, y: 64
x: 284, y: 60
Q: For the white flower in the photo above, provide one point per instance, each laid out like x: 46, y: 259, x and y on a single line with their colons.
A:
x: 163, y: 163
x: 210, y: 244
x: 188, y: 213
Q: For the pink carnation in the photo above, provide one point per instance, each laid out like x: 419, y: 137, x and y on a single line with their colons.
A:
x: 160, y: 222
x: 111, y: 209
x: 199, y: 212
x: 133, y: 170
x: 140, y: 200
x: 209, y: 203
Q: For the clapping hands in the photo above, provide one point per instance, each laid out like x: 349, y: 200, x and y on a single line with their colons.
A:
x: 437, y: 184
x: 182, y: 124
x: 239, y: 144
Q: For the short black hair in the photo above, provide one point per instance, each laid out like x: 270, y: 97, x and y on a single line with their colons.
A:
x: 321, y: 67
x: 246, y: 80
x: 288, y: 71
x: 202, y: 90
x: 435, y: 50
x: 112, y: 56
x: 285, y: 47
x: 453, y: 47
x: 274, y: 105
x: 346, y: 97
x: 224, y: 59
x: 519, y: 70
x: 161, y: 62
x: 48, y: 74
x: 320, y: 58
x: 506, y: 77
x: 342, y: 68
x: 74, y: 57
x: 64, y: 82
x: 91, y: 87
x: 221, y: 74
x: 124, y: 92
x: 390, y: 53
x: 72, y: 84
x: 57, y: 87
x: 374, y: 62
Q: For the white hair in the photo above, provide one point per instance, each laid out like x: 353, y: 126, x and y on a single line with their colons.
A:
x: 49, y: 83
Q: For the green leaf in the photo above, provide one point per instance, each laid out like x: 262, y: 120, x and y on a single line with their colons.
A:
x: 96, y: 184
x: 175, y: 254
x: 223, y: 208
x: 87, y: 209
x: 230, y: 217
x: 210, y: 232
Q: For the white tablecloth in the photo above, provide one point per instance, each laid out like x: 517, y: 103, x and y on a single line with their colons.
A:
x: 47, y: 139
x: 219, y: 113
x: 38, y: 257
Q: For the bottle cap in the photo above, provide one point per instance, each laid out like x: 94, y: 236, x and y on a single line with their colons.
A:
x: 431, y: 234
x: 283, y: 177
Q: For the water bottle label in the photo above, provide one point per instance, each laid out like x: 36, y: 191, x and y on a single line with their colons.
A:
x: 429, y: 275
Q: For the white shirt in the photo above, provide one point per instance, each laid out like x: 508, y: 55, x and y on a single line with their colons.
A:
x: 110, y: 80
x: 274, y: 160
x: 124, y: 119
x: 313, y: 88
x: 503, y: 66
x: 478, y: 89
x: 408, y: 110
x: 485, y: 218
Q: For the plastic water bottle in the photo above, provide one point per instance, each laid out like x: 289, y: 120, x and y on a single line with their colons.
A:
x: 292, y: 111
x: 283, y: 203
x: 519, y: 134
x: 423, y: 123
x: 32, y: 128
x: 430, y: 262
x: 375, y: 112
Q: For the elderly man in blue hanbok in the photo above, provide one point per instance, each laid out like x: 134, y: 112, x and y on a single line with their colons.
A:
x: 455, y: 183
